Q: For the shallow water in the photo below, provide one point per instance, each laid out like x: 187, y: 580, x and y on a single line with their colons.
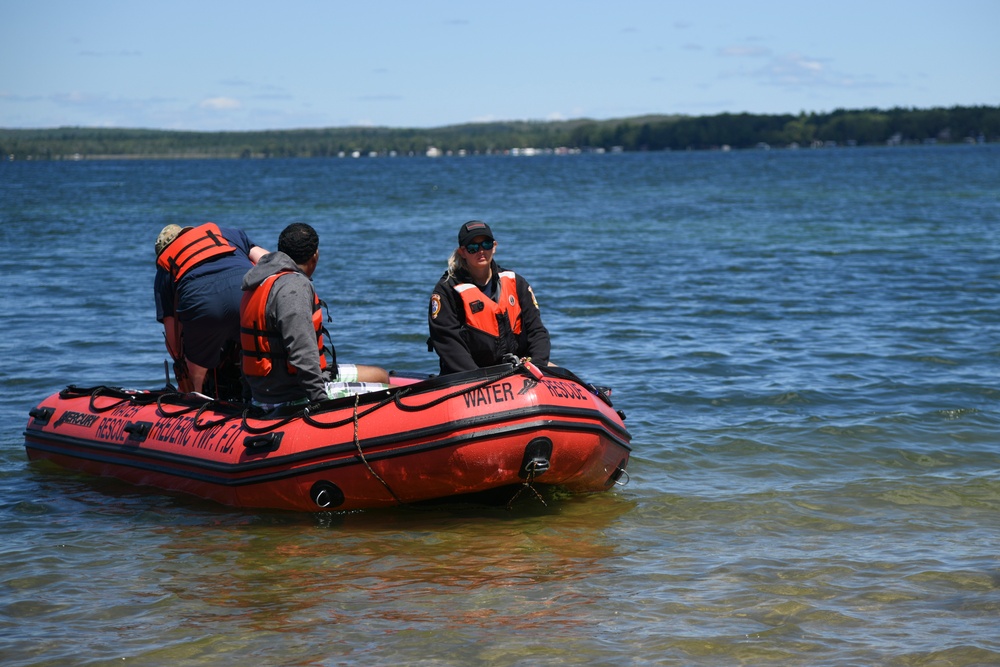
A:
x: 805, y: 344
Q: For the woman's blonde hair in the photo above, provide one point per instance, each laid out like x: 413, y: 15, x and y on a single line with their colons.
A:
x: 455, y: 263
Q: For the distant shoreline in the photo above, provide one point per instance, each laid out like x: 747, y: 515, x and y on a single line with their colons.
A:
x: 864, y: 127
x: 179, y: 157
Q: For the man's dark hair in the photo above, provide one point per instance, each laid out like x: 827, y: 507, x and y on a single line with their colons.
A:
x: 299, y: 241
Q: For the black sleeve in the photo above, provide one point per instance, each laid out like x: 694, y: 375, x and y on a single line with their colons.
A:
x: 444, y: 320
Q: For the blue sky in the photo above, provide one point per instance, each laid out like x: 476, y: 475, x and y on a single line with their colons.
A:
x: 250, y: 64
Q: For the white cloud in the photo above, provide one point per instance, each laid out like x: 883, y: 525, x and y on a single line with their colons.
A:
x: 76, y: 98
x: 220, y: 103
x: 795, y: 70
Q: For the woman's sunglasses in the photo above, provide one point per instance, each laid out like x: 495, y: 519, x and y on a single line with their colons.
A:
x: 473, y: 248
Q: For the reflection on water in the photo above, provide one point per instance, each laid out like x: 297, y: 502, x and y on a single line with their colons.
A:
x: 236, y: 582
x: 804, y: 344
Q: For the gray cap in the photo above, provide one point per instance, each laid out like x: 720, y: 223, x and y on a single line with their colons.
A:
x: 166, y: 237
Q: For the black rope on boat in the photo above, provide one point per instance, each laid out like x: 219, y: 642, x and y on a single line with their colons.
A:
x: 309, y: 419
x: 307, y: 415
x: 72, y: 391
x: 259, y: 414
x: 160, y: 397
x: 198, y: 425
x: 123, y: 396
x: 183, y: 411
x: 278, y: 421
x: 441, y: 399
x: 198, y: 409
x: 361, y: 454
x: 99, y: 392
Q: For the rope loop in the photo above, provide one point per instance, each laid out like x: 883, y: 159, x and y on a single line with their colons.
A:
x: 163, y: 411
x: 277, y: 422
x: 199, y: 425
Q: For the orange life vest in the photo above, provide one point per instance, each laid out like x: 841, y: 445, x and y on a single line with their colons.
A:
x: 255, y: 337
x: 484, y: 314
x: 193, y: 247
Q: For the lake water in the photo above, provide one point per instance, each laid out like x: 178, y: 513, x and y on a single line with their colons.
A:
x: 806, y: 345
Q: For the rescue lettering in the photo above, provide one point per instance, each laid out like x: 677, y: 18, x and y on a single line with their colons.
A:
x: 497, y: 393
x: 112, y: 429
x: 565, y: 389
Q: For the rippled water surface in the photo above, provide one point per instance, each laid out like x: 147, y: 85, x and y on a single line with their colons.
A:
x: 805, y: 343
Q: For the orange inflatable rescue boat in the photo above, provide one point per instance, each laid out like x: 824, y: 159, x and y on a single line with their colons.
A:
x: 501, y: 429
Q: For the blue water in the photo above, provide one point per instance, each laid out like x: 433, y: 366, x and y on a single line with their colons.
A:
x: 805, y: 344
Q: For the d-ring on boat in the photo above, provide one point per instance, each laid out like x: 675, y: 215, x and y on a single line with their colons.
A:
x: 508, y: 426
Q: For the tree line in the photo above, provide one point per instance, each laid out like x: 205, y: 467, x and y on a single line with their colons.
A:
x: 863, y: 127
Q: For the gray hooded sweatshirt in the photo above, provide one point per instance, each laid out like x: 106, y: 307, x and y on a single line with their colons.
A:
x: 289, y: 312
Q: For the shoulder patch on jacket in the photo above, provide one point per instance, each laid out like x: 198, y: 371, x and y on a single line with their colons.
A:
x: 435, y: 305
x: 533, y: 299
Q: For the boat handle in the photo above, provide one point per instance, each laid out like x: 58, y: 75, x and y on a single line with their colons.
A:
x: 41, y: 415
x: 138, y: 430
x: 267, y: 442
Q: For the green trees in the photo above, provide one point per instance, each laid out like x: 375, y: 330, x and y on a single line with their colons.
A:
x: 744, y: 130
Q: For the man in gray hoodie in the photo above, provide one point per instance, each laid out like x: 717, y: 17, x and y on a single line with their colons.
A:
x: 281, y: 328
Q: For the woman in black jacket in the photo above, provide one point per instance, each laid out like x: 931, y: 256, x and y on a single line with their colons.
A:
x: 480, y: 311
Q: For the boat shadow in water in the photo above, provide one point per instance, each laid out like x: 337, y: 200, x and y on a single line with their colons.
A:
x: 61, y: 491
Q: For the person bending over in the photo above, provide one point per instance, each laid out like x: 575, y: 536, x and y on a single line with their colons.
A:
x: 199, y: 271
